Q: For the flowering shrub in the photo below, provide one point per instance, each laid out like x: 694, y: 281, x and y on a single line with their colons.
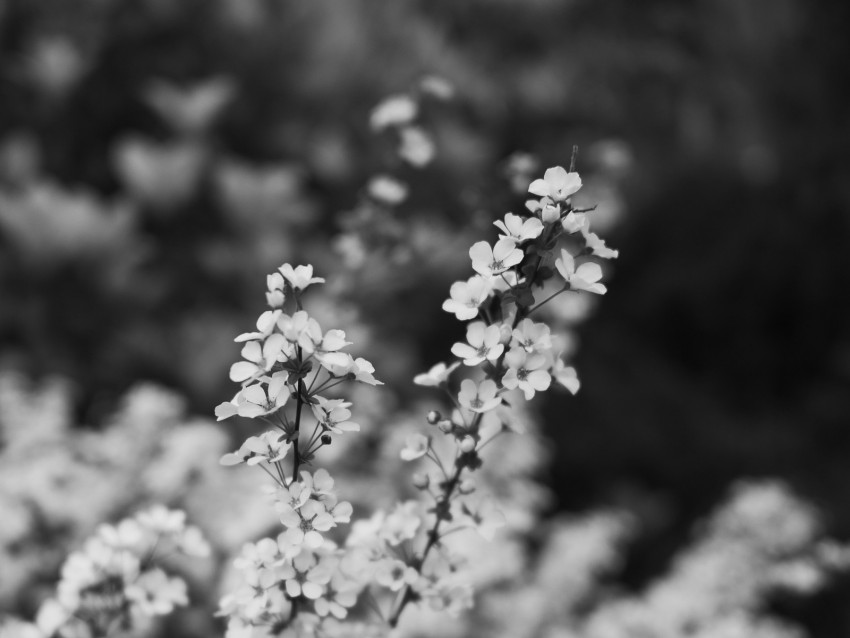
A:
x: 115, y: 583
x: 303, y: 580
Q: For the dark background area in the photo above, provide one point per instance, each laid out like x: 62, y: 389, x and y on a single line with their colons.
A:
x: 722, y: 349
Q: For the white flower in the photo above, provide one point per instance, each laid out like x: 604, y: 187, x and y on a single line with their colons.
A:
x: 259, y: 400
x: 395, y: 110
x: 299, y: 277
x: 585, y: 277
x: 531, y: 336
x: 416, y: 446
x: 258, y: 358
x: 484, y: 343
x: 387, y: 190
x: 518, y: 229
x: 557, y: 184
x: 394, y: 574
x: 466, y: 296
x: 269, y: 447
x: 490, y: 262
x: 312, y: 340
x: 275, y: 296
x: 161, y: 520
x: 437, y: 87
x: 566, y: 375
x: 415, y: 146
x: 305, y: 576
x: 155, y: 594
x: 453, y: 599
x: 334, y: 415
x: 339, y: 596
x: 341, y: 364
x: 574, y: 222
x: 597, y: 245
x: 265, y: 326
x: 526, y: 371
x: 305, y: 525
x: 479, y: 397
x: 486, y: 518
x: 401, y: 524
x: 436, y: 376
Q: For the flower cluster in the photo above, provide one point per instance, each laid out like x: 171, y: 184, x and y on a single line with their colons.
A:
x: 299, y: 580
x: 115, y: 582
x: 507, y: 353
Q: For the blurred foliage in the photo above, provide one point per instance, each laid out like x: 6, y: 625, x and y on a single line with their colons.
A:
x: 157, y: 158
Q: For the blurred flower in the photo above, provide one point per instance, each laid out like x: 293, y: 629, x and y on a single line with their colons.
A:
x: 387, y: 190
x: 436, y: 376
x: 416, y: 447
x: 55, y: 64
x: 395, y: 110
x: 416, y: 146
x: 190, y: 109
x: 50, y: 225
x: 163, y: 176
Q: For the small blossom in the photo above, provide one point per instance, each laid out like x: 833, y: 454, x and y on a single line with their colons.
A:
x: 387, y: 190
x: 566, y: 375
x: 340, y: 595
x: 153, y: 593
x: 265, y: 326
x: 299, y: 277
x: 437, y: 87
x: 401, y: 524
x: 467, y: 296
x: 417, y: 446
x: 394, y: 574
x: 275, y: 296
x: 531, y: 336
x: 557, y: 184
x: 597, y: 246
x: 396, y: 110
x: 436, y: 376
x: 415, y: 146
x: 479, y: 397
x: 269, y: 447
x: 258, y: 359
x: 585, y: 277
x: 334, y: 415
x: 526, y: 372
x: 453, y: 599
x: 491, y: 261
x: 574, y: 222
x: 518, y: 229
x: 486, y: 518
x: 483, y: 343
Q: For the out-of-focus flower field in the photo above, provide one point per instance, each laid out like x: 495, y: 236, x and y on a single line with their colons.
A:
x: 159, y: 158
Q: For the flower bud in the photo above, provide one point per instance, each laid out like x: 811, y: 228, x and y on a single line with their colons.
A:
x: 326, y: 439
x: 446, y: 426
x: 421, y: 481
x: 467, y: 444
x: 433, y: 417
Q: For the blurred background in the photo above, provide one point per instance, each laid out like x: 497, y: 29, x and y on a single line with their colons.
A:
x: 158, y: 158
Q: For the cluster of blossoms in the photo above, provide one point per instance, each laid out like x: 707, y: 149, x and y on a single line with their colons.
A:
x: 300, y: 582
x: 115, y: 582
x: 506, y: 354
